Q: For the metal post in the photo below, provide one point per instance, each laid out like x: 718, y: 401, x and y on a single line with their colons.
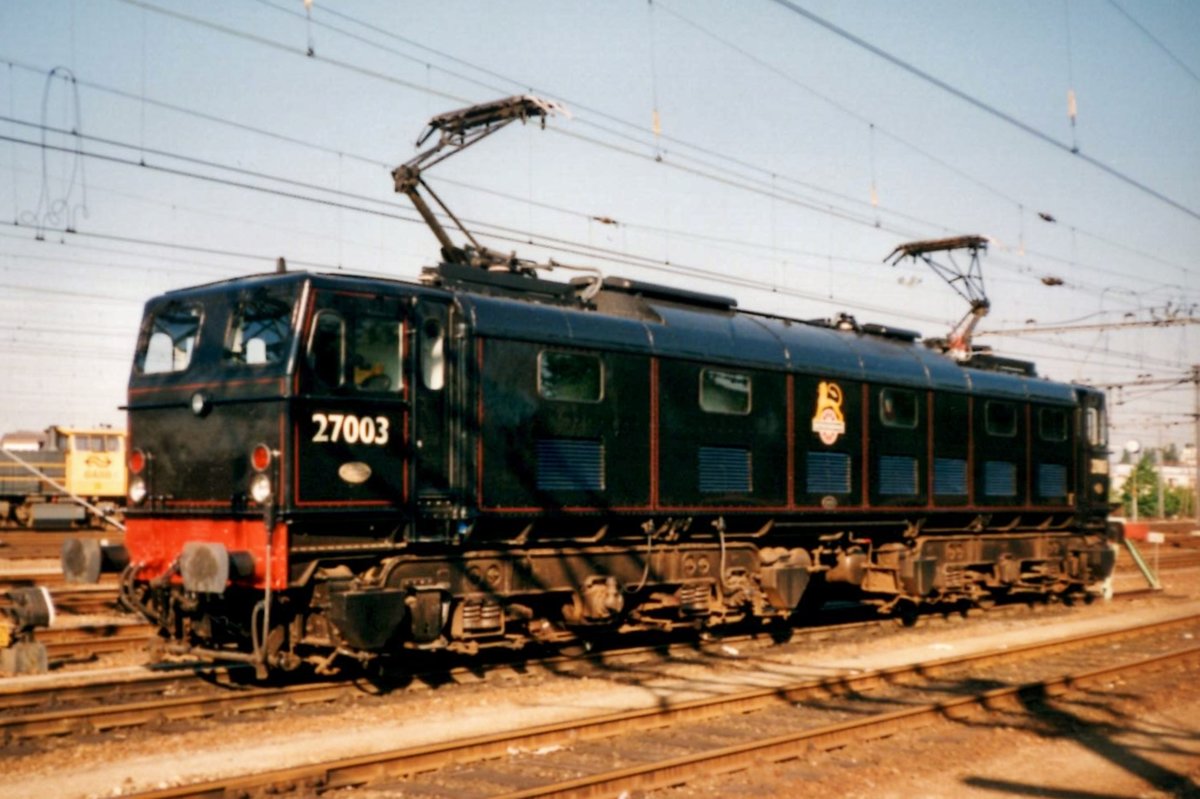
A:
x: 1134, y: 489
x: 1158, y: 462
x: 1196, y: 445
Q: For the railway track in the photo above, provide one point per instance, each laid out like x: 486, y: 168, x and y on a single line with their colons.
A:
x: 208, y: 690
x: 17, y: 544
x: 86, y: 643
x: 662, y: 746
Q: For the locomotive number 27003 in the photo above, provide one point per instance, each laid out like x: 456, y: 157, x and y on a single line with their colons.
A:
x: 334, y: 427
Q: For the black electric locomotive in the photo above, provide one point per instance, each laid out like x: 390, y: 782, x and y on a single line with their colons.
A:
x: 325, y: 465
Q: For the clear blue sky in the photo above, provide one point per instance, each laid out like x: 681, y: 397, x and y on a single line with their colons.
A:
x: 775, y: 132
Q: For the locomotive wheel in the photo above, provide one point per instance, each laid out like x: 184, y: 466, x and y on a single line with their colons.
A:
x: 906, y: 612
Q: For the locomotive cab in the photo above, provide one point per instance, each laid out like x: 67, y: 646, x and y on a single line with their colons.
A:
x: 284, y: 428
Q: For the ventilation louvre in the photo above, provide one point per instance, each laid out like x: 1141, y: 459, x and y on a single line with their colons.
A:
x: 567, y: 464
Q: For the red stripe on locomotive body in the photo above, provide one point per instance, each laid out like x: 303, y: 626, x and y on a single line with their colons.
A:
x: 790, y: 426
x: 156, y: 543
x: 211, y: 384
x: 654, y: 434
x: 929, y: 450
x: 479, y: 427
x: 865, y: 420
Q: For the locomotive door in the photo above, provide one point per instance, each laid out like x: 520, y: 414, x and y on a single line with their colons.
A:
x: 351, y: 417
x: 433, y: 415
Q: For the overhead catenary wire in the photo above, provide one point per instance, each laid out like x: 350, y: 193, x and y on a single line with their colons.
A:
x: 586, y: 250
x: 1155, y: 40
x: 985, y: 107
x: 407, y: 84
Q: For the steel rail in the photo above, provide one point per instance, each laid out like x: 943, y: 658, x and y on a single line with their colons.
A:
x: 96, y: 645
x: 677, y: 771
x: 106, y: 689
x: 362, y: 769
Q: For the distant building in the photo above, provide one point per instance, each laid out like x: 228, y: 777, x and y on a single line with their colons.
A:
x: 1173, y: 476
x: 23, y: 441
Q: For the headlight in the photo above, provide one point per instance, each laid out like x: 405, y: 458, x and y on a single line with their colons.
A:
x: 260, y: 488
x: 137, y: 490
x: 201, y: 404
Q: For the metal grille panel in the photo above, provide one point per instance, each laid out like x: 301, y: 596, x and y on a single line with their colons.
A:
x: 950, y: 476
x: 898, y: 475
x: 724, y: 470
x: 567, y: 464
x: 828, y: 473
x: 1000, y: 479
x: 1052, y: 481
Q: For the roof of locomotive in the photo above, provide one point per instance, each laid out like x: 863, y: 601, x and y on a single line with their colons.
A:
x: 745, y: 339
x: 721, y: 335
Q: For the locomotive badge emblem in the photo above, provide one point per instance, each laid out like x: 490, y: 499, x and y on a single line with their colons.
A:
x: 828, y: 422
x: 354, y: 472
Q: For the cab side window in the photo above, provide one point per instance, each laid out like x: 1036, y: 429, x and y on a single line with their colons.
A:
x: 1052, y: 424
x: 376, y: 354
x: 1000, y: 419
x: 570, y: 376
x: 898, y: 408
x: 725, y: 392
x: 327, y: 349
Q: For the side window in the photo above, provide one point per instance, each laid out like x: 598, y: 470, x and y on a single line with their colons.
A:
x: 376, y: 354
x: 258, y: 331
x: 80, y: 444
x: 433, y: 355
x: 724, y: 392
x: 170, y: 339
x: 112, y: 443
x: 1097, y: 430
x: 1052, y: 424
x: 570, y: 376
x: 327, y: 348
x: 1000, y: 418
x: 898, y: 408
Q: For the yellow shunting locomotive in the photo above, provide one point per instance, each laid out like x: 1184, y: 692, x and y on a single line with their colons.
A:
x: 43, y: 475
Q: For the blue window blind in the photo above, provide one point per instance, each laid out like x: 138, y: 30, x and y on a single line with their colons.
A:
x: 898, y: 475
x: 950, y: 477
x: 724, y: 470
x: 567, y: 464
x: 828, y: 473
x: 1052, y: 481
x: 1000, y: 479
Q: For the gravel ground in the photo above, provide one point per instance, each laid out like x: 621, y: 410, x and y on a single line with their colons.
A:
x: 1134, y: 746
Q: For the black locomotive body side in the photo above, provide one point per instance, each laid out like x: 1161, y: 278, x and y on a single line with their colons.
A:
x: 324, y: 463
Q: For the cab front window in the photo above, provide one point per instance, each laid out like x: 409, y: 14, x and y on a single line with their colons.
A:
x: 170, y: 339
x: 259, y: 329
